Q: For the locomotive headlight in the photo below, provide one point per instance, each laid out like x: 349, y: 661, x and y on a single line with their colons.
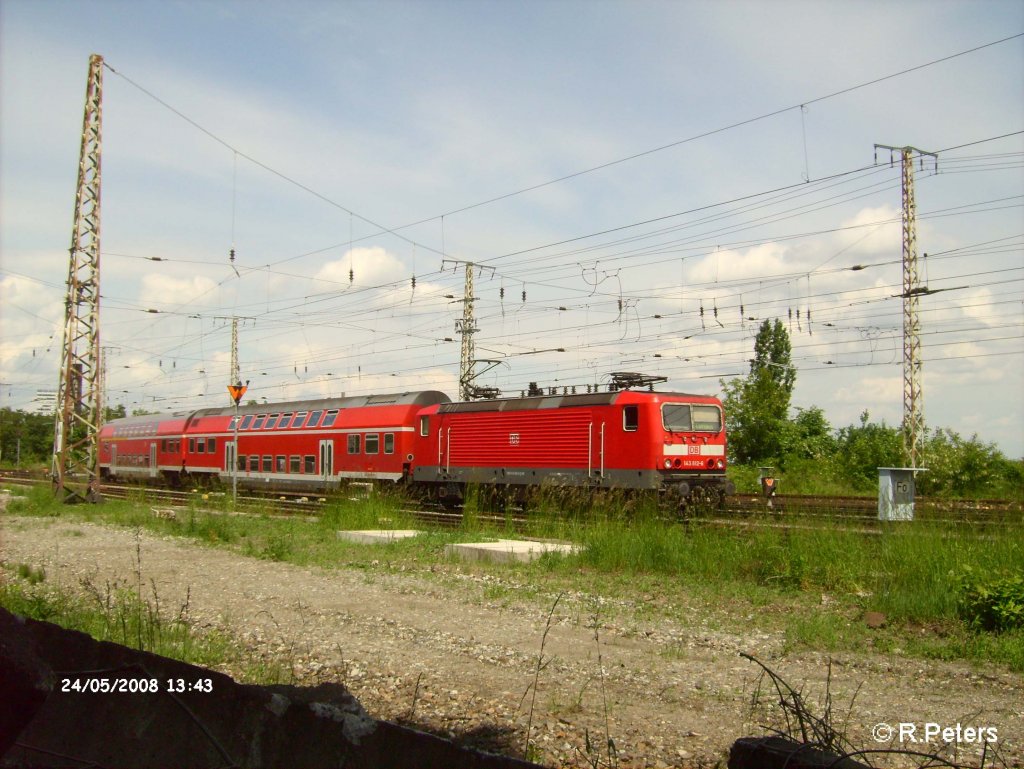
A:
x: 668, y: 463
x: 721, y: 464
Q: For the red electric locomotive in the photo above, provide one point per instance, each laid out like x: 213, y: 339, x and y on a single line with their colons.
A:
x: 670, y: 442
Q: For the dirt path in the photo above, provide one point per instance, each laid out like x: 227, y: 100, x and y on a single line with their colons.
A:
x: 442, y: 650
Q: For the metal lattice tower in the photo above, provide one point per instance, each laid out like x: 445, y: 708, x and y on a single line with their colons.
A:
x: 466, y: 327
x: 913, y: 401
x: 79, y: 397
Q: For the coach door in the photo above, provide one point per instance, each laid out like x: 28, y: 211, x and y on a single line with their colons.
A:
x: 229, y: 457
x: 153, y: 469
x: 113, y: 459
x: 327, y: 459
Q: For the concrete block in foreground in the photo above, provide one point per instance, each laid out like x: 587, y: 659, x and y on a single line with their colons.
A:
x: 376, y: 536
x: 507, y: 550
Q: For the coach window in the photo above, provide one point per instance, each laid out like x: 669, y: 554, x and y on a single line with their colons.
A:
x: 246, y: 421
x: 242, y: 463
x: 271, y: 422
x: 286, y: 419
x: 254, y: 464
x: 281, y: 464
x: 211, y: 445
x: 296, y: 463
x: 372, y: 443
x: 424, y: 426
x: 389, y: 443
x: 191, y: 445
x: 630, y: 418
x: 268, y: 463
x: 329, y: 419
x: 300, y: 417
x: 259, y: 422
x: 201, y: 446
x: 310, y: 464
x: 232, y: 423
x: 353, y: 443
x: 314, y: 418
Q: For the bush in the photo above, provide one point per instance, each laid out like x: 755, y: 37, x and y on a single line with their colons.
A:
x: 991, y: 603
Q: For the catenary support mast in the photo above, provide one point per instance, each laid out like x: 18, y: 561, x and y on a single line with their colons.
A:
x: 78, y: 413
x: 913, y: 401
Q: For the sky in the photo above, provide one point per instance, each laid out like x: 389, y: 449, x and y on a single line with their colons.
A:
x: 637, y: 184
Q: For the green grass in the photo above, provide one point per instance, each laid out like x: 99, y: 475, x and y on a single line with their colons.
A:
x: 811, y: 580
x: 118, y: 613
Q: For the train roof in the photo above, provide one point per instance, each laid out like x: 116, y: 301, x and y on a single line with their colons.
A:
x: 417, y: 398
x: 555, y: 401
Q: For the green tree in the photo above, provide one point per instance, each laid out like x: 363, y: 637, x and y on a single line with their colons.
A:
x: 863, y: 449
x: 756, y: 408
x: 773, y: 356
x: 960, y: 467
x: 25, y: 435
x: 116, y: 412
x: 811, y: 436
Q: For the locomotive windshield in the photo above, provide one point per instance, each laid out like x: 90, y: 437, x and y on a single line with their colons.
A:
x: 691, y: 417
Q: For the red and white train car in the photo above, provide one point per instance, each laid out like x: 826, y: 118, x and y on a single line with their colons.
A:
x: 674, y: 443
x: 308, y: 444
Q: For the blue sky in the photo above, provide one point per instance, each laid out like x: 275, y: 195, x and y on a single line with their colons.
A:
x: 338, y: 123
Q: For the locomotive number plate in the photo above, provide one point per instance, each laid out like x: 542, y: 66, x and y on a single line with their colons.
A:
x: 513, y: 439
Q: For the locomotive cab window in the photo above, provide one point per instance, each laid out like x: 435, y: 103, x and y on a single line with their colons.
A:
x: 329, y: 419
x: 707, y: 419
x: 676, y: 417
x: 630, y: 418
x: 424, y: 426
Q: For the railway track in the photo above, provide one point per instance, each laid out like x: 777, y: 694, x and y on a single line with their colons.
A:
x: 751, y: 509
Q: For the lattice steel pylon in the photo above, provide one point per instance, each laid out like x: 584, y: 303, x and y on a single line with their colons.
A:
x: 79, y: 397
x: 466, y: 327
x: 913, y: 401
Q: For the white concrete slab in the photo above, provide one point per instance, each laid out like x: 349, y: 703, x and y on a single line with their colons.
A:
x: 507, y: 550
x: 376, y: 536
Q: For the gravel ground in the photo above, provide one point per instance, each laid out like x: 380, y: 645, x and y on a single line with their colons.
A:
x: 455, y: 651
